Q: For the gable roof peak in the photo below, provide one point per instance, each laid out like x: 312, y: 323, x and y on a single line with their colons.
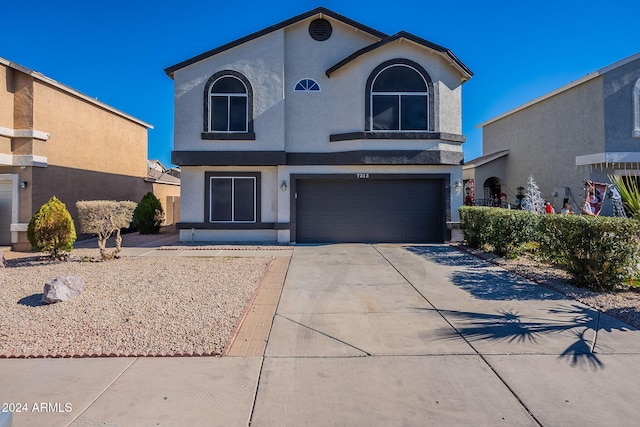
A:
x: 313, y: 12
x: 443, y: 51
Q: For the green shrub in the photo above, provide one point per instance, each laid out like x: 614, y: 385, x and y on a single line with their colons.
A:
x: 599, y: 252
x: 505, y: 231
x: 148, y: 215
x: 475, y: 225
x: 103, y: 218
x: 51, y: 229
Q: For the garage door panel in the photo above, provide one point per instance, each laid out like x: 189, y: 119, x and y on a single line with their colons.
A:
x: 369, y: 211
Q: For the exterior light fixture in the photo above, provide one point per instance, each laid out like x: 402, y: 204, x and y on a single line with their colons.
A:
x: 458, y: 185
x: 467, y: 190
x: 283, y: 186
x: 24, y: 184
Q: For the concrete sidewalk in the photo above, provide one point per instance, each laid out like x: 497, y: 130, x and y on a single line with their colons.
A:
x: 367, y: 335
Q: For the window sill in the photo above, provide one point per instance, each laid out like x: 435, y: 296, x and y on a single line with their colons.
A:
x: 396, y: 135
x: 230, y: 226
x: 228, y: 136
x: 636, y: 133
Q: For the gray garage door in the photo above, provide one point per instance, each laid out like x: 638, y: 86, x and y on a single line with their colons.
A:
x: 368, y: 210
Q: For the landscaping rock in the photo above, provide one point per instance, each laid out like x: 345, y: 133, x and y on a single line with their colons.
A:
x: 62, y: 288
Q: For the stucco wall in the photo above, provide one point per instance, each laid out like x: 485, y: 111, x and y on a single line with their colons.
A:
x: 313, y: 116
x: 85, y: 136
x: 343, y: 100
x: 303, y: 121
x: 545, y: 138
x: 262, y: 63
x: 618, y: 108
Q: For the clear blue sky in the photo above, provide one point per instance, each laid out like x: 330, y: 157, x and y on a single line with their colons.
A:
x: 116, y: 50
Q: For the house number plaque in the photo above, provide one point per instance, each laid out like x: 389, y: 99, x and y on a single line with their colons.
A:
x: 362, y: 175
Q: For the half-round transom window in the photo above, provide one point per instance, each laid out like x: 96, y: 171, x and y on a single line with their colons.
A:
x: 399, y: 100
x: 307, y: 85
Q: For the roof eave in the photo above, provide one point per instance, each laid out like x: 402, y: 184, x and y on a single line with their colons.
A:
x: 564, y: 88
x: 452, y: 59
x: 483, y: 160
x: 71, y: 91
x: 317, y: 11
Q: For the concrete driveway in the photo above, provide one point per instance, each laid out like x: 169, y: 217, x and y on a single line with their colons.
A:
x: 368, y: 335
x: 389, y: 335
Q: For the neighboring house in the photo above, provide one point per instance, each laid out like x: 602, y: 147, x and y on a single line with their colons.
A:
x: 166, y: 187
x: 581, y: 132
x: 56, y: 141
x: 319, y: 129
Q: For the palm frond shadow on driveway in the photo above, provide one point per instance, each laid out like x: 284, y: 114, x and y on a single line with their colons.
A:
x: 509, y: 326
x: 560, y: 318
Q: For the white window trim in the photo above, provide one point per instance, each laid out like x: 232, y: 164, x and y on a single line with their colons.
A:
x: 636, y: 110
x: 244, y: 95
x: 233, y: 184
x: 398, y: 94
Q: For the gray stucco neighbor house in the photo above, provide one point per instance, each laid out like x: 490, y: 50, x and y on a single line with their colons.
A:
x: 583, y: 131
x: 319, y: 129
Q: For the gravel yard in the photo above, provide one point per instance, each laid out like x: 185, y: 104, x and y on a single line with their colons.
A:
x: 130, y: 306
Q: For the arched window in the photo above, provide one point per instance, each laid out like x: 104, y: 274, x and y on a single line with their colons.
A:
x: 399, y: 98
x: 228, y: 104
x: 307, y: 85
x: 636, y: 109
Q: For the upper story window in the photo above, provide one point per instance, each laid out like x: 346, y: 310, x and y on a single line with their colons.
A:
x: 636, y: 109
x: 228, y: 106
x: 399, y: 98
x: 307, y: 85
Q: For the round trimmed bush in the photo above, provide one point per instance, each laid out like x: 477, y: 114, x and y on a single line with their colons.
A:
x: 51, y: 228
x: 148, y: 215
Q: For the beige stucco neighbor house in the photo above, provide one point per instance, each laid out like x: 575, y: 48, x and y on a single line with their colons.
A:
x: 319, y: 129
x: 56, y: 141
x: 583, y: 131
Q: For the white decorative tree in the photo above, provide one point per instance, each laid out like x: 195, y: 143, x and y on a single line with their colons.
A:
x: 533, y: 201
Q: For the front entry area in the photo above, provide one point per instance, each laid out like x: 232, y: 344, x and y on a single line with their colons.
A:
x: 364, y: 208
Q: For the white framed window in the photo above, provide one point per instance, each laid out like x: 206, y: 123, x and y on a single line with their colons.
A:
x: 636, y: 109
x: 399, y: 99
x: 307, y: 85
x: 228, y: 105
x: 232, y: 199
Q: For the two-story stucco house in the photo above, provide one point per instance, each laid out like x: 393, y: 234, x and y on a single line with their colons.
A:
x: 583, y: 131
x: 319, y: 129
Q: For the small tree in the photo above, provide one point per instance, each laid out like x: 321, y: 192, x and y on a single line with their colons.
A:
x: 103, y: 218
x: 148, y: 215
x: 51, y: 229
x: 533, y: 201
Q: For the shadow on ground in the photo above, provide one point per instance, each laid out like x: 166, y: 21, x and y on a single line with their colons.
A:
x: 512, y: 327
x: 501, y: 285
x: 446, y: 255
x: 34, y: 300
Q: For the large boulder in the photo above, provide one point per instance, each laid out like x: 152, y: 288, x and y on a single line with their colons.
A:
x: 62, y: 288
